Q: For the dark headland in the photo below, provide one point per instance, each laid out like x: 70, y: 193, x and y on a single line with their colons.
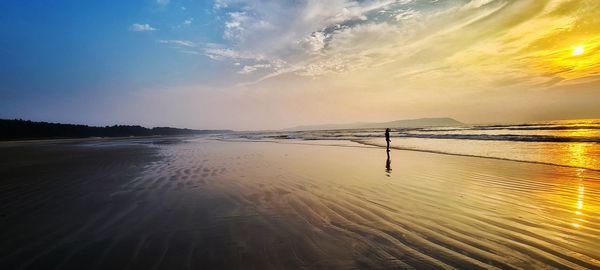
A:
x: 18, y: 129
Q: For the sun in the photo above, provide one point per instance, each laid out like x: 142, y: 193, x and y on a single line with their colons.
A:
x: 579, y: 50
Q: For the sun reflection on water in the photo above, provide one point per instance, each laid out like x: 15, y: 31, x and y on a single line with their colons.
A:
x: 579, y: 205
x: 578, y: 154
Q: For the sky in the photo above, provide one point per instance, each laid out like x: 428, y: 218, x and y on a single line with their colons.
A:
x: 257, y: 64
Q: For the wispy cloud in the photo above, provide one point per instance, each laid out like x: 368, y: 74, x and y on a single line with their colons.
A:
x: 218, y: 53
x: 138, y: 27
x: 316, y: 38
x: 190, y: 52
x: 163, y: 2
x: 409, y: 57
x: 253, y: 68
x: 406, y: 14
x: 218, y: 4
x: 177, y: 42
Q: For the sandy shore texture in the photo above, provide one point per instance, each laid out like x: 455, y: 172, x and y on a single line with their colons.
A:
x: 207, y: 204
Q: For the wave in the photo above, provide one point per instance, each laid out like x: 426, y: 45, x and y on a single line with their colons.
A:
x: 481, y: 137
x: 504, y: 137
x: 539, y: 127
x: 516, y: 127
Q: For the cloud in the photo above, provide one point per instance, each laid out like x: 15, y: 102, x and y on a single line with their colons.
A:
x: 409, y: 56
x: 319, y: 38
x: 299, y: 34
x: 217, y: 53
x: 476, y: 4
x: 241, y: 23
x: 188, y: 21
x: 184, y: 43
x: 137, y: 27
x: 406, y: 14
x: 253, y: 68
x: 190, y: 52
x: 315, y: 42
x: 218, y: 4
x: 163, y: 2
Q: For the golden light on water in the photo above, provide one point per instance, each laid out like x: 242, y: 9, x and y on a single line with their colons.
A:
x: 580, y: 192
x: 578, y: 153
x: 579, y: 205
x: 578, y: 50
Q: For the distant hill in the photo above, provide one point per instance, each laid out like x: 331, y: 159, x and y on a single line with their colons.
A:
x: 410, y: 123
x: 23, y: 130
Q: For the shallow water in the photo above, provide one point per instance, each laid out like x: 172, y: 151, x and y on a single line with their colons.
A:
x: 573, y: 143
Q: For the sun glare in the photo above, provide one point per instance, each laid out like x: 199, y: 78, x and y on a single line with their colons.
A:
x: 578, y: 50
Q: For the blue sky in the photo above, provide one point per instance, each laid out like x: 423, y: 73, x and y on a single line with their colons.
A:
x: 56, y: 52
x: 251, y: 64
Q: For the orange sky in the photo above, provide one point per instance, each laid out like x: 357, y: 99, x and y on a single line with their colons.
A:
x: 477, y: 61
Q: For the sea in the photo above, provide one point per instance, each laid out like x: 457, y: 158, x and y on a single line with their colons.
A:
x: 569, y: 143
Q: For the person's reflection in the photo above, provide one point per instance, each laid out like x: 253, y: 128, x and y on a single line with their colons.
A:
x: 388, y: 164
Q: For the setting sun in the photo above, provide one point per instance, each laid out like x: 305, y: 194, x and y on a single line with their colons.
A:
x: 578, y: 50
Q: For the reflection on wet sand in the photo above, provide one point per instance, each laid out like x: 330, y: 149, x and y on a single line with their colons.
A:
x: 388, y: 164
x: 579, y: 207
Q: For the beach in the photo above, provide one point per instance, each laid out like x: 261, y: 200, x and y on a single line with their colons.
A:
x: 203, y: 203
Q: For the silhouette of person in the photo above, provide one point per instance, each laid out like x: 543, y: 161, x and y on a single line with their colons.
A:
x: 387, y: 138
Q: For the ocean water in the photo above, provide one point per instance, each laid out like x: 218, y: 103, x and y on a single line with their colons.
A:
x: 571, y: 143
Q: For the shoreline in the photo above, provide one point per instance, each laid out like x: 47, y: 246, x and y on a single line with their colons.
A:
x: 369, y: 146
x: 91, y: 139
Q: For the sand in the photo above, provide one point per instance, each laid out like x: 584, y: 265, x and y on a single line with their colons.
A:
x: 205, y: 204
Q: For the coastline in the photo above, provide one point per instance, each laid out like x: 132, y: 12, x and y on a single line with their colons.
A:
x: 367, y: 145
x: 76, y: 140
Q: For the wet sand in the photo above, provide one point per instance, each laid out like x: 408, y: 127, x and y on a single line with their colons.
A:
x: 206, y: 204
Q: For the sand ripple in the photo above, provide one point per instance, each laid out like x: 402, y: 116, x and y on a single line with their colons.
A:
x: 210, y: 204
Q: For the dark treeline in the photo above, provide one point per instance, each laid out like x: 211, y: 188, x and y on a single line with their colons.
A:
x: 21, y: 130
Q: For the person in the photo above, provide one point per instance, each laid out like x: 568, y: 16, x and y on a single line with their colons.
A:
x: 387, y: 138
